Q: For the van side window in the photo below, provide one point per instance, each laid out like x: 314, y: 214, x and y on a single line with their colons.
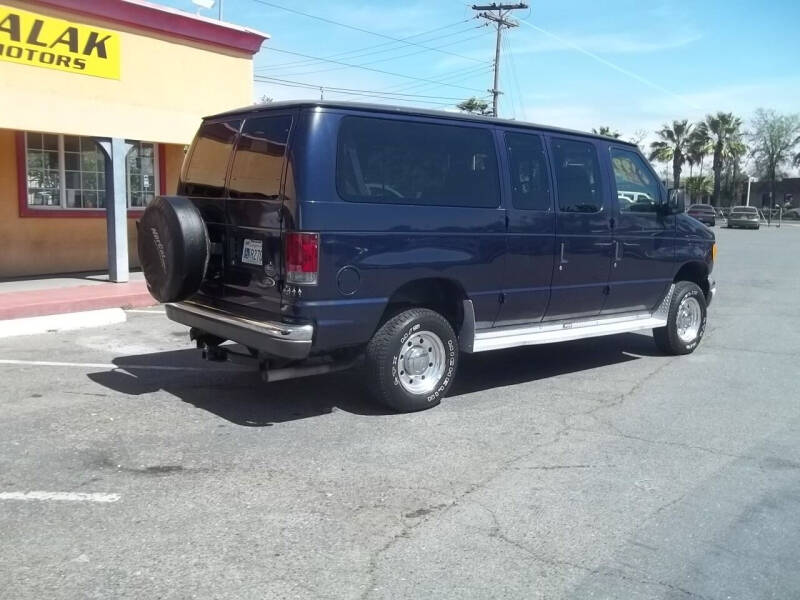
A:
x: 578, y: 176
x: 205, y: 173
x: 407, y: 162
x: 530, y: 183
x: 258, y: 159
x: 637, y: 189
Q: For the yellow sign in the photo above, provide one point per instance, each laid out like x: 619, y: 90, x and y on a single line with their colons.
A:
x: 31, y: 39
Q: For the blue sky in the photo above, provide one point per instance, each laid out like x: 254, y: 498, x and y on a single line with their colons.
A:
x: 682, y: 59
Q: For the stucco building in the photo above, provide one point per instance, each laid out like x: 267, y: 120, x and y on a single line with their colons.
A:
x: 97, y: 102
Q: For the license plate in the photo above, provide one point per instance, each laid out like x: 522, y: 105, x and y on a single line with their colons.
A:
x: 253, y: 252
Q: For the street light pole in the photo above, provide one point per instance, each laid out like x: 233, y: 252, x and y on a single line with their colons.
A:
x: 749, y: 181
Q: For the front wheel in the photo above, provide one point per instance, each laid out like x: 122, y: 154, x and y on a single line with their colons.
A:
x: 411, y: 360
x: 686, y: 320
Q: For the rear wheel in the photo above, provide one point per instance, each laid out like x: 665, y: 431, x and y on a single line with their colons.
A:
x: 686, y: 320
x: 411, y: 360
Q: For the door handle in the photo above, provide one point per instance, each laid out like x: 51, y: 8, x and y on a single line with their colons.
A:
x: 617, y: 251
x: 564, y: 259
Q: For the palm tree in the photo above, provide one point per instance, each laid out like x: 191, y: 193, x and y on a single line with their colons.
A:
x: 699, y: 148
x: 735, y: 151
x: 721, y: 129
x: 672, y: 146
x: 606, y: 131
x: 698, y: 186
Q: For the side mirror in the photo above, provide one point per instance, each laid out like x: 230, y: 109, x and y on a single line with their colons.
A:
x: 676, y: 201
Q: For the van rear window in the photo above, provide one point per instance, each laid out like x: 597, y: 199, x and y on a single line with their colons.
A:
x: 204, y: 174
x: 403, y: 162
x: 258, y: 160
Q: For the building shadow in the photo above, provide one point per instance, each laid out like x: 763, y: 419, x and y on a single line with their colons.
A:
x: 236, y: 392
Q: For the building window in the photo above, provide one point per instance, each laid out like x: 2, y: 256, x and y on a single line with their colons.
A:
x: 84, y: 173
x: 70, y: 172
x: 141, y: 174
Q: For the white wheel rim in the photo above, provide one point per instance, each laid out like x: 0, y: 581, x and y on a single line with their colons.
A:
x: 421, y: 362
x: 688, y: 319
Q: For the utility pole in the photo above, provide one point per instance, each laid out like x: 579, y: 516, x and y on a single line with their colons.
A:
x: 500, y: 21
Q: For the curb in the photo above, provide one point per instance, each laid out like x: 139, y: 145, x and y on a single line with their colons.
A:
x: 17, y: 305
x: 61, y: 322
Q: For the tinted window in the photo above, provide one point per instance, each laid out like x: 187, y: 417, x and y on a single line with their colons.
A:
x: 402, y: 162
x: 258, y: 160
x: 205, y: 173
x: 637, y: 189
x: 530, y: 183
x: 578, y: 176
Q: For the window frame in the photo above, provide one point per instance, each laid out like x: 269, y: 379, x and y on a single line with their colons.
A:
x: 157, y: 189
x: 606, y: 204
x: 62, y: 211
x: 636, y: 152
x: 551, y: 191
x: 492, y: 139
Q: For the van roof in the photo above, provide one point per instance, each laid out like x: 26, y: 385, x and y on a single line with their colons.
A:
x: 406, y: 110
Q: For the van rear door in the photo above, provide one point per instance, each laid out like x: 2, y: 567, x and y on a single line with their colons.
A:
x: 254, y: 211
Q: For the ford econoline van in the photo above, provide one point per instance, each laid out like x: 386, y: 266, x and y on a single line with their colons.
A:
x: 321, y: 236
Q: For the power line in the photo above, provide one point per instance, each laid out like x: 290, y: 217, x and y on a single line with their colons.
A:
x: 361, y: 29
x: 515, y: 79
x: 370, y: 50
x: 415, y: 98
x: 291, y: 83
x: 273, y: 49
x: 454, y: 77
x: 380, y: 60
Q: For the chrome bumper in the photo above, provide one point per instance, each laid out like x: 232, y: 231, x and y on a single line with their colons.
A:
x: 284, y: 340
x: 712, y: 290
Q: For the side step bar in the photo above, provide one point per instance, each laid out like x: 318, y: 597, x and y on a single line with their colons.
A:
x: 561, y: 331
x: 472, y: 340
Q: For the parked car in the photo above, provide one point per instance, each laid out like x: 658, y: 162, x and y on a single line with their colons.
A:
x: 744, y: 216
x: 327, y: 235
x: 793, y: 214
x: 703, y: 213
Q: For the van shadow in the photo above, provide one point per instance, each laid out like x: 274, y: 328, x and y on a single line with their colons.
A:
x: 236, y: 393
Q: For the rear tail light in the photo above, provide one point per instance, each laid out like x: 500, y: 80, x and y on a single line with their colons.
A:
x: 302, y: 258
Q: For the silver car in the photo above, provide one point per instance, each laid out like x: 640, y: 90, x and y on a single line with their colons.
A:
x: 744, y: 216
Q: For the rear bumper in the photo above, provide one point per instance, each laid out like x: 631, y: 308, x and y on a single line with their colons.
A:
x: 283, y: 340
x: 747, y: 224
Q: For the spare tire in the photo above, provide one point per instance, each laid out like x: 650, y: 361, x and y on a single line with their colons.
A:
x: 173, y: 248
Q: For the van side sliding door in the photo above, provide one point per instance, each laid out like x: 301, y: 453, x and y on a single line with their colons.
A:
x: 583, y: 229
x: 531, y: 228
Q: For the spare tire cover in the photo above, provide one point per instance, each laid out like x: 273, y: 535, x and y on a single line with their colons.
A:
x: 173, y: 248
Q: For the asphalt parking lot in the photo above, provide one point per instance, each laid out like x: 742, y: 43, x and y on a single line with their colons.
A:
x: 595, y: 469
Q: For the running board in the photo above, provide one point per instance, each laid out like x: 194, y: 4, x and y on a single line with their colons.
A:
x: 563, y: 331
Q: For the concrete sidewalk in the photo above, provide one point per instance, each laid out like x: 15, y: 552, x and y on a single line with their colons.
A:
x: 21, y: 298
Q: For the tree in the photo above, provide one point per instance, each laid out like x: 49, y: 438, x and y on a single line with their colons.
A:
x: 672, y: 146
x: 720, y: 128
x: 699, y: 148
x: 698, y: 186
x: 475, y: 106
x: 607, y: 131
x: 638, y: 137
x: 774, y: 137
x: 265, y: 100
x: 735, y: 151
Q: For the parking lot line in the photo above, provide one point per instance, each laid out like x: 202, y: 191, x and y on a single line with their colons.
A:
x: 60, y: 496
x: 47, y: 363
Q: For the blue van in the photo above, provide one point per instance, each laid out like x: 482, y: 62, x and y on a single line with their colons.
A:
x: 326, y: 235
